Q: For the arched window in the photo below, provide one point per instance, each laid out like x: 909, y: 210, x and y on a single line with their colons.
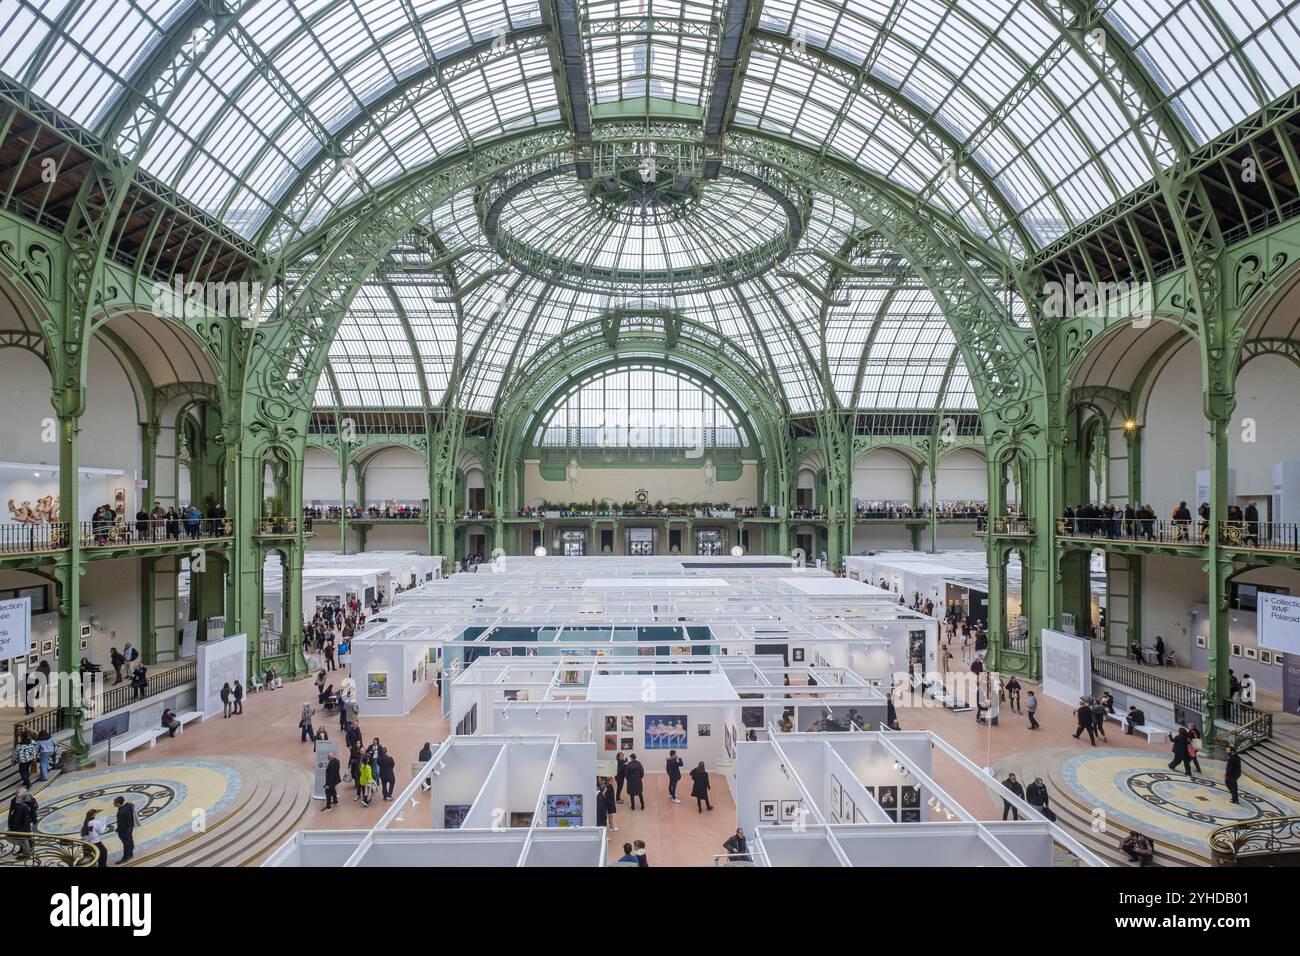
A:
x: 640, y: 407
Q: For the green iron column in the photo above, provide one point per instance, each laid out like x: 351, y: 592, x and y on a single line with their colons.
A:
x: 68, y: 575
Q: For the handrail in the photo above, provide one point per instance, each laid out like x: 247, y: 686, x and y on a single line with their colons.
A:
x: 109, y: 700
x: 1261, y: 839
x: 1252, y: 732
x: 1184, y: 695
x: 44, y: 849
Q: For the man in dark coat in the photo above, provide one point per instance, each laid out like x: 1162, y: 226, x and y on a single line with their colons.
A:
x: 1084, y: 714
x: 635, y: 782
x: 737, y: 847
x: 125, y: 827
x: 333, y: 775
x: 387, y: 773
x: 620, y: 776
x: 1012, y: 784
x: 1160, y: 651
x: 1232, y: 771
x: 238, y: 694
x: 674, y: 774
x: 1182, y: 747
x: 22, y: 819
x: 1036, y: 795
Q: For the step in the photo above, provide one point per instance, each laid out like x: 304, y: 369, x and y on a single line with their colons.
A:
x: 272, y: 807
x: 1273, y: 766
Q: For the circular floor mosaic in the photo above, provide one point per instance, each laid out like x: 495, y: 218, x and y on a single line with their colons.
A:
x: 1139, y: 791
x: 172, y: 799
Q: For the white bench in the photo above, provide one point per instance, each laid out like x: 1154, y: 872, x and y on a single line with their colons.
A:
x: 186, y: 718
x: 1153, y: 732
x: 137, y: 740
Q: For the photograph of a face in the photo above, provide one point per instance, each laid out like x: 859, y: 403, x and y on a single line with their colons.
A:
x: 626, y: 724
x: 665, y: 731
x: 611, y: 724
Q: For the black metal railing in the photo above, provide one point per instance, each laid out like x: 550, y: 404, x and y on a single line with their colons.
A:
x: 21, y: 538
x: 1249, y: 733
x: 44, y: 849
x: 1260, y: 535
x: 1268, y: 841
x: 51, y: 722
x: 274, y: 525
x: 106, y: 534
x: 121, y: 695
x: 1147, y: 682
x: 1244, y: 535
x: 1013, y: 526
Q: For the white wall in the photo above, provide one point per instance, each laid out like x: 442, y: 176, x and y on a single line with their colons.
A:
x: 661, y: 484
x: 883, y: 475
x: 1174, y: 435
x: 963, y: 476
x: 320, y: 478
x: 1170, y: 587
x: 1268, y: 393
x: 396, y: 474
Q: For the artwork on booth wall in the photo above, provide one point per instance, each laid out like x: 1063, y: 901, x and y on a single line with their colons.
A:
x: 611, y: 741
x: 47, y: 647
x: 512, y: 695
x: 611, y: 723
x: 858, y: 816
x: 796, y: 655
x: 909, y: 816
x: 665, y: 731
x: 644, y: 651
x: 837, y: 794
x: 453, y: 815
x: 679, y: 650
x: 626, y: 743
x: 887, y: 797
x: 521, y: 818
x: 119, y: 502
x: 377, y: 685
x: 751, y: 717
x: 1200, y: 640
x: 910, y: 797
x: 790, y: 810
x: 564, y: 809
x: 626, y: 724
x: 767, y: 811
x: 849, y: 810
x: 729, y: 740
x: 703, y: 730
x: 1265, y: 657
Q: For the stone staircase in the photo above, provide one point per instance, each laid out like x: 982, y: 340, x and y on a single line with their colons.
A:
x: 10, y: 782
x: 275, y: 797
x: 1076, y: 818
x: 1273, y: 764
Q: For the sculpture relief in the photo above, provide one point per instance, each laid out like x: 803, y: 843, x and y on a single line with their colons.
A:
x: 46, y: 510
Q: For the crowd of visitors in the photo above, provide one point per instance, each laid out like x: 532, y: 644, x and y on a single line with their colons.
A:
x: 1140, y: 523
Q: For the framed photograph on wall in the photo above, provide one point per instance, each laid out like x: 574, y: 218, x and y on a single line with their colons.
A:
x: 626, y: 724
x: 836, y: 792
x: 626, y: 743
x: 611, y: 741
x: 796, y: 655
x: 377, y: 685
x: 909, y: 816
x: 767, y: 811
x: 1200, y: 640
x: 1250, y: 653
x: 887, y: 797
x: 1236, y: 650
x: 611, y: 724
x: 910, y: 797
x: 1265, y: 657
x: 790, y: 810
x: 47, y: 647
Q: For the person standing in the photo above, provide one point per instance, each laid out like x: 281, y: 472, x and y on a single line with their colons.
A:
x: 333, y: 774
x: 125, y: 828
x: 237, y: 695
x: 92, y: 832
x: 635, y: 782
x: 1232, y: 771
x: 118, y: 661
x: 1160, y: 651
x: 45, y: 747
x: 387, y: 773
x: 608, y: 798
x: 225, y: 699
x: 1099, y: 716
x: 139, y: 681
x: 1031, y: 708
x: 620, y: 775
x: 355, y: 759
x: 304, y: 724
x: 1012, y: 784
x: 367, y: 782
x: 674, y: 774
x: 1084, y: 715
x: 700, y: 787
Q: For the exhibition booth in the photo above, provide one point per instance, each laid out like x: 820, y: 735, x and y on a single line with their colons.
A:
x: 872, y: 799
x: 493, y: 801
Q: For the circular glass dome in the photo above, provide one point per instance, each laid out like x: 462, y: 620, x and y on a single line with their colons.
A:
x: 644, y: 230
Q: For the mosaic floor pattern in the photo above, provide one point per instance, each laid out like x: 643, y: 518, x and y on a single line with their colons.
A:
x: 1139, y: 791
x: 172, y: 798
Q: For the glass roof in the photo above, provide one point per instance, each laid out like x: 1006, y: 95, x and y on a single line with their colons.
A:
x: 295, y: 108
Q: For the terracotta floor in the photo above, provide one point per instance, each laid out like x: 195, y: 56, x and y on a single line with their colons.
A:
x: 675, y: 834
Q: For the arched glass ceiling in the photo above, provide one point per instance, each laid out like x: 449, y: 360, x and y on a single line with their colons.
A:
x: 639, y: 407
x: 383, y: 86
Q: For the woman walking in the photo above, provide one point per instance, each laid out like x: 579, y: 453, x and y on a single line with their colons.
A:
x: 700, y: 787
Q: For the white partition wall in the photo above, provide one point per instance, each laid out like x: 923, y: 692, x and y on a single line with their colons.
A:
x: 1067, y: 667
x: 220, y: 662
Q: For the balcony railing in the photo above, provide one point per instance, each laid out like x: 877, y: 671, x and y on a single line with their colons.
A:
x: 1250, y: 733
x: 276, y: 525
x: 44, y: 849
x: 109, y: 700
x: 104, y: 534
x: 16, y: 538
x: 1013, y: 526
x: 1274, y: 536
